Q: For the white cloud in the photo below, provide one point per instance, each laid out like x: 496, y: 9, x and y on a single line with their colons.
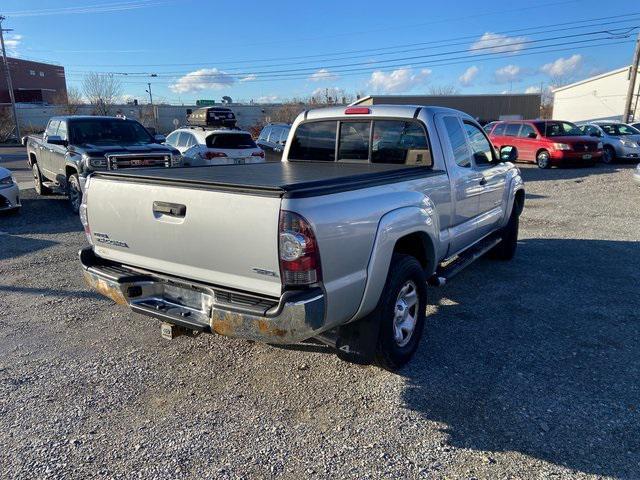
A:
x: 497, y: 43
x: 267, y: 99
x: 248, y: 78
x: 532, y: 89
x: 563, y: 66
x: 508, y: 73
x: 466, y: 79
x: 12, y: 42
x: 323, y: 75
x: 203, y: 79
x: 398, y: 81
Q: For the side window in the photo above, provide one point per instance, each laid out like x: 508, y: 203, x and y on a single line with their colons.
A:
x: 182, y: 139
x: 354, y: 141
x: 191, y: 140
x: 527, y: 131
x: 401, y: 143
x: 499, y: 130
x: 264, y: 134
x: 512, y: 129
x: 458, y: 142
x: 480, y: 146
x: 52, y: 128
x: 274, y: 136
x: 284, y: 135
x: 172, y: 139
x: 62, y: 130
x: 314, y: 141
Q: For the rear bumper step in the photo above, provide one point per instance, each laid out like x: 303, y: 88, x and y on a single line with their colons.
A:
x: 294, y: 317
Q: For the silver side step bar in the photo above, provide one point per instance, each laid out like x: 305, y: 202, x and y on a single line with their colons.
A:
x: 447, y: 271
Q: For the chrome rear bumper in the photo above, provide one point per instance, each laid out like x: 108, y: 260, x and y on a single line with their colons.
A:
x: 294, y: 317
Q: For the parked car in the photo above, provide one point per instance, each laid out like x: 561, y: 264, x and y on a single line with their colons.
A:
x: 72, y: 147
x: 219, y: 146
x: 273, y: 139
x: 546, y: 142
x: 336, y: 242
x: 9, y: 192
x: 620, y: 141
x: 636, y: 175
x: 212, y: 117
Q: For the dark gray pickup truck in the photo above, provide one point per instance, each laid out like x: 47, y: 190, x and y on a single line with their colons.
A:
x: 72, y: 147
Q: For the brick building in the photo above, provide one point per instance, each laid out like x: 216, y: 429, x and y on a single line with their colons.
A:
x: 33, y: 82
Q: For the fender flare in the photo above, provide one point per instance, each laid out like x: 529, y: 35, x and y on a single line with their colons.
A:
x: 392, y: 227
x: 515, y: 184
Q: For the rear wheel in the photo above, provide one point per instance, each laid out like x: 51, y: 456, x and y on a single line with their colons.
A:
x: 543, y: 160
x: 37, y: 180
x: 74, y: 192
x: 608, y: 155
x: 402, y: 312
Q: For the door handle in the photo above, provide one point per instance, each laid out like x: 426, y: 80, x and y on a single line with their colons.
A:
x: 171, y: 209
x: 483, y: 181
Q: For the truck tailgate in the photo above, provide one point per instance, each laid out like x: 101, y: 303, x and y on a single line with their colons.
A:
x: 222, y: 238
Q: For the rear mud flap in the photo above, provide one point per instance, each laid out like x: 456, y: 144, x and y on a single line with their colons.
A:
x: 357, y: 341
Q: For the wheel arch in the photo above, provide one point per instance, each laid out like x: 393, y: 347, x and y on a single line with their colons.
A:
x: 408, y: 230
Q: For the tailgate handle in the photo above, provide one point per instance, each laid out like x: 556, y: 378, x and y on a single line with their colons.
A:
x: 172, y: 209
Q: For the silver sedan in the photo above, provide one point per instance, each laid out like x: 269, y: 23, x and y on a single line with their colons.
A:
x: 9, y: 191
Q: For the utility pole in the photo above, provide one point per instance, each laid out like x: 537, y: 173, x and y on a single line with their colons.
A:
x: 155, y: 119
x: 8, y: 76
x: 633, y: 73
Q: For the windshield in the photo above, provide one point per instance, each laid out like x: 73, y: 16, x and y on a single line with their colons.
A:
x: 108, y: 131
x: 618, y: 129
x: 558, y: 129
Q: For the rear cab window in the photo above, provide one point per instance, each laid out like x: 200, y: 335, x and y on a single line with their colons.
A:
x: 230, y: 141
x: 389, y: 141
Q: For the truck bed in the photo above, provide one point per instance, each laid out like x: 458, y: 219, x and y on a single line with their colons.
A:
x: 281, y: 179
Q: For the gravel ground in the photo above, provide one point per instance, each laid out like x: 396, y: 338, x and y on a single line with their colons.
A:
x: 528, y: 369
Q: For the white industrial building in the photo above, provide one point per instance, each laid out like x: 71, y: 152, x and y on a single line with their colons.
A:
x: 597, y: 98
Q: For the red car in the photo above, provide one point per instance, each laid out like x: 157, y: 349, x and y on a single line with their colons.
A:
x: 546, y: 142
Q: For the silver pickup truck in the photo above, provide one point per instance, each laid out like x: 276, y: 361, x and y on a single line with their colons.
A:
x: 337, y: 243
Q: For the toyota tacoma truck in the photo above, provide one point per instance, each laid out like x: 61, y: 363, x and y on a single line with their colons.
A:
x: 72, y: 147
x: 337, y: 244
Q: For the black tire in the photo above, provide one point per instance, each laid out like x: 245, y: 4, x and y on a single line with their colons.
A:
x: 508, y: 245
x: 404, y: 270
x: 40, y: 188
x: 74, y: 192
x: 543, y: 159
x: 608, y: 155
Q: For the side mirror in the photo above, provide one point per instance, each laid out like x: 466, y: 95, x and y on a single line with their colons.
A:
x: 532, y: 135
x: 57, y: 140
x: 159, y: 138
x: 508, y: 154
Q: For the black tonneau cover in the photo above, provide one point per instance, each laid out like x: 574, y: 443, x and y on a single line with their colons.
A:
x: 284, y: 179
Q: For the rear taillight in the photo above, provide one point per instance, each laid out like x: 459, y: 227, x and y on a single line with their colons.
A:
x: 299, y: 255
x: 258, y: 154
x: 84, y: 217
x: 209, y: 155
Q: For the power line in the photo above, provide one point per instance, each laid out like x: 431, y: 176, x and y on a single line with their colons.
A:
x: 95, y: 8
x: 433, y: 64
x: 339, y: 68
x: 629, y: 17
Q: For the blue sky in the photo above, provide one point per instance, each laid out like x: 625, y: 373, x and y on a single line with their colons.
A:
x: 262, y: 51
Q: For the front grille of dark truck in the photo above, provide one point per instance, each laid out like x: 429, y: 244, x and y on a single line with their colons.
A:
x: 118, y: 162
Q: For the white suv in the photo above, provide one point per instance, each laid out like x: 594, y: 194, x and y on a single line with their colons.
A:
x: 215, y: 146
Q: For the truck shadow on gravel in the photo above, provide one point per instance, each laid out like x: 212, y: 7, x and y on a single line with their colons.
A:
x: 540, y: 356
